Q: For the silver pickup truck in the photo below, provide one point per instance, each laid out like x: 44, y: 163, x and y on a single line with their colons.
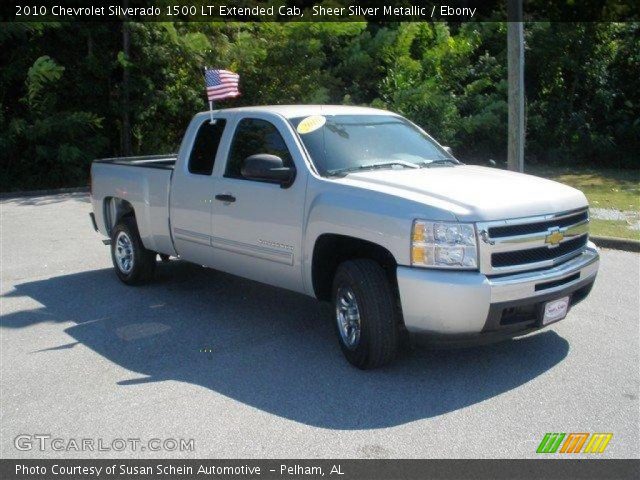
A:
x: 359, y: 207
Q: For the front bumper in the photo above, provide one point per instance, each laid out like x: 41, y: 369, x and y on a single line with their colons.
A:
x: 471, y: 306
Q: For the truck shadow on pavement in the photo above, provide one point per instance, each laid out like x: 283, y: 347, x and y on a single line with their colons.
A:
x: 268, y: 348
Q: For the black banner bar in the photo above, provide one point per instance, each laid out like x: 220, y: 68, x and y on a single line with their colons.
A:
x: 315, y: 469
x: 318, y: 11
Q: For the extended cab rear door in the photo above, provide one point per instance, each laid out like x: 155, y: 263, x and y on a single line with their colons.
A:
x: 257, y: 226
x: 192, y: 187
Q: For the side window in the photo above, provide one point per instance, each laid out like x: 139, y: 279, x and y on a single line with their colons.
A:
x: 205, y: 147
x: 255, y: 136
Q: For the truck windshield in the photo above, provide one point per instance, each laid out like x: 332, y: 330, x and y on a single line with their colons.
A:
x: 339, y: 144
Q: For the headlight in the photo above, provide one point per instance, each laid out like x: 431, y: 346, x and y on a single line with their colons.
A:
x: 444, y: 245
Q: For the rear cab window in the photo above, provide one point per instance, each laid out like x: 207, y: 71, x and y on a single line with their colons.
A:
x: 205, y: 147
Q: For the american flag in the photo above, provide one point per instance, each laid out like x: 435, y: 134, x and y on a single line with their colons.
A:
x: 221, y: 84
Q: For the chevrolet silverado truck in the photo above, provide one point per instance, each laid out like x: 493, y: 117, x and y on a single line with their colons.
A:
x: 359, y: 207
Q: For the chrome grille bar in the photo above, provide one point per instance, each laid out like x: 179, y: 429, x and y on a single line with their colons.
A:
x: 543, y: 243
x: 522, y: 242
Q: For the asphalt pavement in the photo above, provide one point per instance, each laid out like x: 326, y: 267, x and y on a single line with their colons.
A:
x: 236, y: 369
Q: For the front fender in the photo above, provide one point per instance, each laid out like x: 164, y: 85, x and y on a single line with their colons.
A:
x: 376, y: 217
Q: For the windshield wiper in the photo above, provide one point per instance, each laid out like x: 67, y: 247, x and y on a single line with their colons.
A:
x: 372, y: 166
x: 439, y: 161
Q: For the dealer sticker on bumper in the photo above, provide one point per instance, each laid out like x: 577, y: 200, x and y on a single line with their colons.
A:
x: 555, y: 310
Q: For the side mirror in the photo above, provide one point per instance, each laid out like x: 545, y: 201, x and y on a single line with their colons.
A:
x: 268, y: 168
x: 448, y: 150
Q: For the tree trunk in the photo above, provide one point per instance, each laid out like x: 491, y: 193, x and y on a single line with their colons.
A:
x: 515, y: 66
x: 126, y: 120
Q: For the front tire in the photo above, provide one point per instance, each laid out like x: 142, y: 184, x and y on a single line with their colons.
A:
x: 133, y: 263
x: 365, y: 314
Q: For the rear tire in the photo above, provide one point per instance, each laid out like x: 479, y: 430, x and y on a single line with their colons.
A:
x: 134, y: 264
x: 365, y: 314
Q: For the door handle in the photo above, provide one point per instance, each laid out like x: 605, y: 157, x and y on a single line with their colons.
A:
x: 227, y: 198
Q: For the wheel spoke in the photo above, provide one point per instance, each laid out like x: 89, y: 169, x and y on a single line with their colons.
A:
x: 123, y: 252
x: 348, y: 317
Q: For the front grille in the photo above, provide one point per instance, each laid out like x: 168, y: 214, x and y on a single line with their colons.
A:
x: 540, y: 254
x: 526, y: 228
x: 523, y: 244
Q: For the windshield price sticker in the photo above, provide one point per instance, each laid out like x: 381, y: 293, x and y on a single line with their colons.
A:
x: 311, y: 124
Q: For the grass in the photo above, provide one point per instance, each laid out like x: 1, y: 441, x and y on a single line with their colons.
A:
x: 616, y: 189
x: 612, y: 228
x: 604, y: 188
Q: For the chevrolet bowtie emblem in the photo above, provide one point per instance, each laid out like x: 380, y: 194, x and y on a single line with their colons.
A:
x: 554, y: 237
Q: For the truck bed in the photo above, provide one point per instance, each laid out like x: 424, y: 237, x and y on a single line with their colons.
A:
x: 145, y: 188
x: 166, y: 162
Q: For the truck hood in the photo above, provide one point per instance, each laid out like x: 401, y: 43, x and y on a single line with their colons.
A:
x: 471, y: 192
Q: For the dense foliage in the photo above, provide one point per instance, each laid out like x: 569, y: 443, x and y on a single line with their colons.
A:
x: 67, y: 90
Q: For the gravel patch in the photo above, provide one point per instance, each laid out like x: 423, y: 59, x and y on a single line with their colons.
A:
x: 631, y: 217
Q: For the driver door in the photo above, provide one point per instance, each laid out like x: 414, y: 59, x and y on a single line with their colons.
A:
x: 256, y: 225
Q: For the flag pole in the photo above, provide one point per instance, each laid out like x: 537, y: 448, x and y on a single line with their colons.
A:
x: 211, y: 119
